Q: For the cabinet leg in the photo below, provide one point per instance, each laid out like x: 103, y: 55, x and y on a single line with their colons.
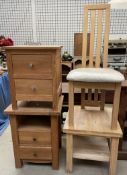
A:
x: 113, y: 156
x: 14, y: 131
x: 69, y: 152
x: 55, y: 141
x: 18, y: 163
x: 59, y: 132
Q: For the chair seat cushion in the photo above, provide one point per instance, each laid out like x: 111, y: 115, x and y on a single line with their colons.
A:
x: 95, y: 75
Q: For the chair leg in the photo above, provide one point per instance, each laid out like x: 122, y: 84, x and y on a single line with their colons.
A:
x: 69, y: 152
x: 113, y: 156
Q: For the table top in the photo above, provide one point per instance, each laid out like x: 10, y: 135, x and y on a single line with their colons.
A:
x: 34, y: 108
x: 92, y: 121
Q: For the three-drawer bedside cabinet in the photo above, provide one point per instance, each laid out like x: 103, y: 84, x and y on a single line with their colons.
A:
x: 35, y: 112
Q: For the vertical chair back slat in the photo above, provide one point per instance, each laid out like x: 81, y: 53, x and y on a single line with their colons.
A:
x: 84, y: 47
x: 96, y: 95
x: 106, y: 37
x: 93, y: 14
x: 98, y: 41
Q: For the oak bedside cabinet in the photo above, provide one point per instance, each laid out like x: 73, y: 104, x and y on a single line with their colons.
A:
x: 34, y: 73
x: 35, y: 83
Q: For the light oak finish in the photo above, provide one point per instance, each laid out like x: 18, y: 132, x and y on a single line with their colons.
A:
x: 34, y: 73
x: 93, y: 15
x: 34, y: 108
x: 102, y: 100
x: 113, y: 156
x: 93, y: 9
x: 91, y: 148
x: 69, y: 153
x: 35, y: 138
x: 106, y: 37
x: 14, y: 132
x: 98, y: 54
x: 97, y: 7
x: 36, y: 132
x: 83, y: 121
x: 97, y: 58
x: 103, y: 86
x: 71, y: 104
x: 35, y: 82
x: 95, y: 85
x: 35, y: 47
x: 33, y: 90
x: 84, y: 47
x: 35, y: 153
x: 55, y: 136
x: 92, y: 121
x: 116, y: 102
x: 122, y: 154
x: 30, y: 66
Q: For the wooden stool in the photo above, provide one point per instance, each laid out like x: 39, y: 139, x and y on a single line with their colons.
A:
x: 88, y: 127
x: 91, y: 121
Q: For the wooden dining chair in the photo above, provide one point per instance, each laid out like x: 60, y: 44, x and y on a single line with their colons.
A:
x: 93, y: 118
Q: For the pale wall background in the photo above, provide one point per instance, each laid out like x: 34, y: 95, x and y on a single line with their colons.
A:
x: 51, y: 21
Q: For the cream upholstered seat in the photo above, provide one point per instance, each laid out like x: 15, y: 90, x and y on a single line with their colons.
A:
x: 95, y: 75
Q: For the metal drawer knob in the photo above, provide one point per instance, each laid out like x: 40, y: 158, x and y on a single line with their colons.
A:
x: 31, y: 65
x: 34, y: 139
x: 34, y: 88
x: 35, y: 154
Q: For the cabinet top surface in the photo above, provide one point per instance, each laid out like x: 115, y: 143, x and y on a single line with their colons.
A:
x: 33, y: 47
x: 35, y: 108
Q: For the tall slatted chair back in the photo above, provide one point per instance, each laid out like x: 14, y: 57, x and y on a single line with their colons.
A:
x: 92, y: 121
x: 96, y: 19
x: 96, y: 22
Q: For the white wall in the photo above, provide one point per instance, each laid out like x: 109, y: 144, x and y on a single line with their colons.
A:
x: 55, y: 21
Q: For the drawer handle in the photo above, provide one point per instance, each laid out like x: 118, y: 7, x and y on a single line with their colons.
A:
x: 31, y: 65
x: 35, y: 154
x: 34, y: 88
x: 34, y: 139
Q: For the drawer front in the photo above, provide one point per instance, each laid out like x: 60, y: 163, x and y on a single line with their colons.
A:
x: 33, y: 89
x: 32, y: 66
x: 32, y: 153
x: 35, y: 138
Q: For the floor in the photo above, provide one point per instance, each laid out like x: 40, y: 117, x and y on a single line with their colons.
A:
x: 7, y: 166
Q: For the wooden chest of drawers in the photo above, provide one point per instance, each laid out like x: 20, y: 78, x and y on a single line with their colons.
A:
x: 34, y: 73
